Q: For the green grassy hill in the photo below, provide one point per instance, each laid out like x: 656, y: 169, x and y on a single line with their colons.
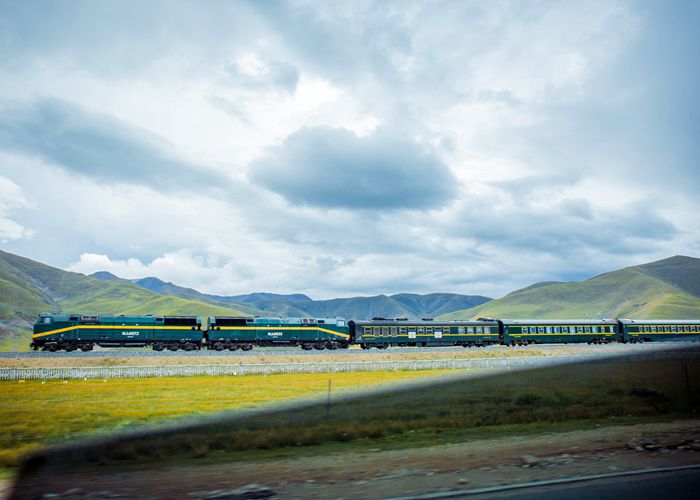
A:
x: 668, y: 288
x: 28, y: 288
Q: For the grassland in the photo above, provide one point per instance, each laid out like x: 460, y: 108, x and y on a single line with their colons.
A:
x: 36, y: 413
x: 449, y: 410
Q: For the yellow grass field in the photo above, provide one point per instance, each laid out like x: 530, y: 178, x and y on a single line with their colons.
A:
x: 36, y: 413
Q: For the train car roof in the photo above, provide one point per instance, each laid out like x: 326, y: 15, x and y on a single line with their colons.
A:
x: 660, y: 321
x: 558, y: 321
x: 423, y: 322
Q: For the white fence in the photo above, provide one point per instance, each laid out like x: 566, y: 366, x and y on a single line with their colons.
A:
x: 335, y: 367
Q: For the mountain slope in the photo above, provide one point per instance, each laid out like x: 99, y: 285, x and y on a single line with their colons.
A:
x: 270, y: 304
x: 669, y: 288
x: 28, y: 288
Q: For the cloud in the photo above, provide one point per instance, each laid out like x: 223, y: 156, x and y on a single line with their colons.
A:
x: 96, y: 145
x: 11, y: 199
x: 255, y: 72
x: 334, y: 168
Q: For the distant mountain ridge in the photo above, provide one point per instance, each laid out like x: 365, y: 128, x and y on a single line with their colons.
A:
x: 261, y: 304
x: 668, y: 288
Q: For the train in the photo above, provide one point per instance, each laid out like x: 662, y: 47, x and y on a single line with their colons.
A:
x: 70, y: 332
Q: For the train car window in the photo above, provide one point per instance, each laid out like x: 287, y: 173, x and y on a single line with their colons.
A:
x: 470, y: 330
x: 653, y: 328
x: 694, y: 328
x: 587, y: 329
x: 385, y: 331
x: 446, y: 330
x: 548, y: 329
x: 429, y: 330
x: 460, y: 330
x: 402, y: 330
x: 540, y: 329
x: 533, y: 329
x: 564, y: 329
x: 230, y: 321
x: 377, y: 331
x: 421, y: 330
x: 394, y: 331
x: 180, y: 321
x: 556, y: 329
x: 368, y: 330
x: 673, y: 328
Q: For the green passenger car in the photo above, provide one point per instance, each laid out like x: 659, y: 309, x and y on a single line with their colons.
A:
x: 310, y: 333
x: 635, y: 330
x: 555, y: 331
x: 54, y: 332
x: 382, y: 333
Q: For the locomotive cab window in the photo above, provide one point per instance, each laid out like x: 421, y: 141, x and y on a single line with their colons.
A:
x: 180, y: 321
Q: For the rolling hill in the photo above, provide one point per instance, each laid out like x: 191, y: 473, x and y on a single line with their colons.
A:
x: 668, y: 288
x: 28, y: 288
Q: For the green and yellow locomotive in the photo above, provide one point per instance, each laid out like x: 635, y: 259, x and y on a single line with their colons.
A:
x: 310, y: 333
x: 54, y: 332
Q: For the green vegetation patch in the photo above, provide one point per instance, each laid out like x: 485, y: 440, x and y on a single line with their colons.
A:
x: 36, y: 413
x: 454, y: 409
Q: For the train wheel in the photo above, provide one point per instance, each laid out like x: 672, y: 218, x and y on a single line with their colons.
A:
x: 71, y: 347
x: 332, y: 346
x: 232, y: 347
x: 247, y: 347
x: 173, y: 347
x: 319, y: 346
x: 158, y: 347
x: 52, y: 348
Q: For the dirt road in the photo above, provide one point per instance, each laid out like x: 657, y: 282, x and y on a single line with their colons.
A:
x: 383, y: 474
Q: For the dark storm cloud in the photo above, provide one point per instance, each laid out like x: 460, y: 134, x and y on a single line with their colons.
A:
x: 334, y: 168
x: 95, y: 145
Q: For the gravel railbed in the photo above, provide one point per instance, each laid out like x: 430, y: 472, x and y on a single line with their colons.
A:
x: 582, y: 349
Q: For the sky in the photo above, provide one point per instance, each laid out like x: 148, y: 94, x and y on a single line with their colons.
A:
x: 350, y: 148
